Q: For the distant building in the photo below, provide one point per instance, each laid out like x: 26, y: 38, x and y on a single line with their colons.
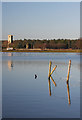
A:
x: 10, y: 39
x: 27, y: 46
x: 9, y: 48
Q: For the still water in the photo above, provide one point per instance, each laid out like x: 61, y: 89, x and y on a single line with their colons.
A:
x: 24, y: 96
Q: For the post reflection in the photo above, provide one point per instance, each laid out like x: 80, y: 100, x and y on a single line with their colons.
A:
x: 10, y: 54
x: 10, y: 65
x: 53, y: 81
x: 49, y: 82
x: 68, y: 92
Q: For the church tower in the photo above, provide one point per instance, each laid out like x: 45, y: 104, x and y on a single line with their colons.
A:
x: 10, y: 39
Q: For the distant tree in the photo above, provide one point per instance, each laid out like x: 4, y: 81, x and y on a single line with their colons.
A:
x: 4, y: 44
x: 50, y: 44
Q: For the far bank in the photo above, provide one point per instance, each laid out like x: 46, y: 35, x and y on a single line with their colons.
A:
x: 45, y: 50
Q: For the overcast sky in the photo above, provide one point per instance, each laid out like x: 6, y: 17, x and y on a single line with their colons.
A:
x: 42, y: 20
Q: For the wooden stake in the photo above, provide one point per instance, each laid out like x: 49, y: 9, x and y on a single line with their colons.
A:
x: 53, y: 81
x: 52, y: 71
x: 50, y: 63
x: 68, y: 71
x: 49, y: 76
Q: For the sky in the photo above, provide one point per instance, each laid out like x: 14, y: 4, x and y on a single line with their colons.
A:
x: 41, y: 20
x: 0, y: 21
x: 41, y: 0
x: 81, y: 20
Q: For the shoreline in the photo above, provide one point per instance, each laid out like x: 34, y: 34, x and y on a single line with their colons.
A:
x: 47, y: 50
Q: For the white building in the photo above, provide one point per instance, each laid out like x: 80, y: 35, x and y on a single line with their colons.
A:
x: 10, y: 39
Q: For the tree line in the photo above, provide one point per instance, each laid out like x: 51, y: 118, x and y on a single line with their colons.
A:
x: 44, y: 44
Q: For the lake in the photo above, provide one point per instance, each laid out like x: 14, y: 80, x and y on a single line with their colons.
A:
x: 24, y: 96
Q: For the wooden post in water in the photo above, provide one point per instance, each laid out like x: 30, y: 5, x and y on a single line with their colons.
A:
x: 50, y: 63
x: 68, y: 71
x: 52, y: 71
x: 49, y: 76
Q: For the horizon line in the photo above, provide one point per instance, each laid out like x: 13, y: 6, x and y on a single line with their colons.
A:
x: 44, y: 39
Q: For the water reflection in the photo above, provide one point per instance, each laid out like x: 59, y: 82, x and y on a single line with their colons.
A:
x: 10, y: 54
x: 68, y: 92
x: 10, y: 65
x: 49, y: 82
x: 10, y: 62
x: 32, y: 97
x: 53, y: 81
